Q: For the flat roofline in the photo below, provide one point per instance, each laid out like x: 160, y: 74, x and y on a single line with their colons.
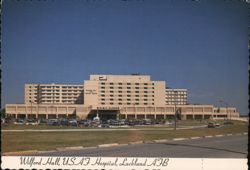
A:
x: 54, y: 84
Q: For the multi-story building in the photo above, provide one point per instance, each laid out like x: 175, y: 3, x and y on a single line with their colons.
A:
x: 124, y: 96
x: 53, y: 94
x: 176, y: 96
x: 128, y: 90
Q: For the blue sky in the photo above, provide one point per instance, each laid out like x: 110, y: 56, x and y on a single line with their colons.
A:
x: 201, y: 46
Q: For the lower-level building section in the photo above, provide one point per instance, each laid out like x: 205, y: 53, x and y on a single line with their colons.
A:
x: 45, y: 111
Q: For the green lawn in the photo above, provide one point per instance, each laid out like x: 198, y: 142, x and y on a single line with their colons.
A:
x: 19, y: 141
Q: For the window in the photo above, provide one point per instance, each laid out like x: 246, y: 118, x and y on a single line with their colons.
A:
x: 111, y: 83
x: 111, y: 95
x: 119, y: 87
x: 128, y: 87
x: 128, y: 95
x: 102, y: 87
x: 111, y: 91
x: 119, y: 83
x: 136, y: 91
x: 119, y: 95
x: 119, y: 91
x: 146, y: 84
x: 136, y: 87
x: 119, y: 103
x: 111, y: 87
x: 120, y: 99
x: 128, y: 91
x: 137, y: 84
x: 102, y: 91
x: 128, y: 83
x: 145, y: 88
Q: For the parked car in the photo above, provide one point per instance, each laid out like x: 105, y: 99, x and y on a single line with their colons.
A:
x: 31, y: 122
x: 42, y: 122
x: 2, y: 120
x: 19, y: 122
x: 53, y: 122
x: 213, y: 124
x: 64, y: 122
x: 72, y: 122
x: 84, y: 122
x: 105, y: 125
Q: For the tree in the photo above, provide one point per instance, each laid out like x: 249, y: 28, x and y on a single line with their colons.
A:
x: 3, y: 113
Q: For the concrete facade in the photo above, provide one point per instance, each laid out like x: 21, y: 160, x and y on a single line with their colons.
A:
x: 123, y: 96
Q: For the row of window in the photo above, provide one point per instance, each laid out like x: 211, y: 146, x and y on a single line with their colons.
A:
x: 111, y: 91
x: 111, y: 83
x: 111, y: 103
x: 111, y: 95
x: 112, y: 87
x: 128, y: 99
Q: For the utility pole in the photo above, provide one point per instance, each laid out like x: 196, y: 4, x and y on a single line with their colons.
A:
x: 175, y: 112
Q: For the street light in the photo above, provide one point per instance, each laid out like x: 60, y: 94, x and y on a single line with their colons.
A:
x: 221, y: 101
x: 175, y: 114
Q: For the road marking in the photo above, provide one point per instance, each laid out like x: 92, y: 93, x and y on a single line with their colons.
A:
x: 245, y: 133
x: 219, y: 135
x: 195, y: 137
x: 230, y: 134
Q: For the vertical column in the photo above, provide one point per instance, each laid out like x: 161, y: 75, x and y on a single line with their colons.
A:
x: 26, y: 116
x: 193, y: 116
x: 67, y: 113
x: 126, y: 116
x: 203, y: 116
x: 164, y: 116
x: 47, y: 116
x: 154, y: 116
x: 135, y: 116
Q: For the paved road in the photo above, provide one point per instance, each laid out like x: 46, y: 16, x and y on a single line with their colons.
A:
x: 216, y: 147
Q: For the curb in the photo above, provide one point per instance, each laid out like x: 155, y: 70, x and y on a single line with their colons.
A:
x: 108, y: 145
x: 177, y: 139
x: 208, y: 136
x: 137, y: 142
x: 28, y: 152
x: 195, y: 137
x: 148, y: 141
x: 160, y: 140
x: 21, y: 153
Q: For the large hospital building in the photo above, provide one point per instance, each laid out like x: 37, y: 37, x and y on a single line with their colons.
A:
x: 112, y: 96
